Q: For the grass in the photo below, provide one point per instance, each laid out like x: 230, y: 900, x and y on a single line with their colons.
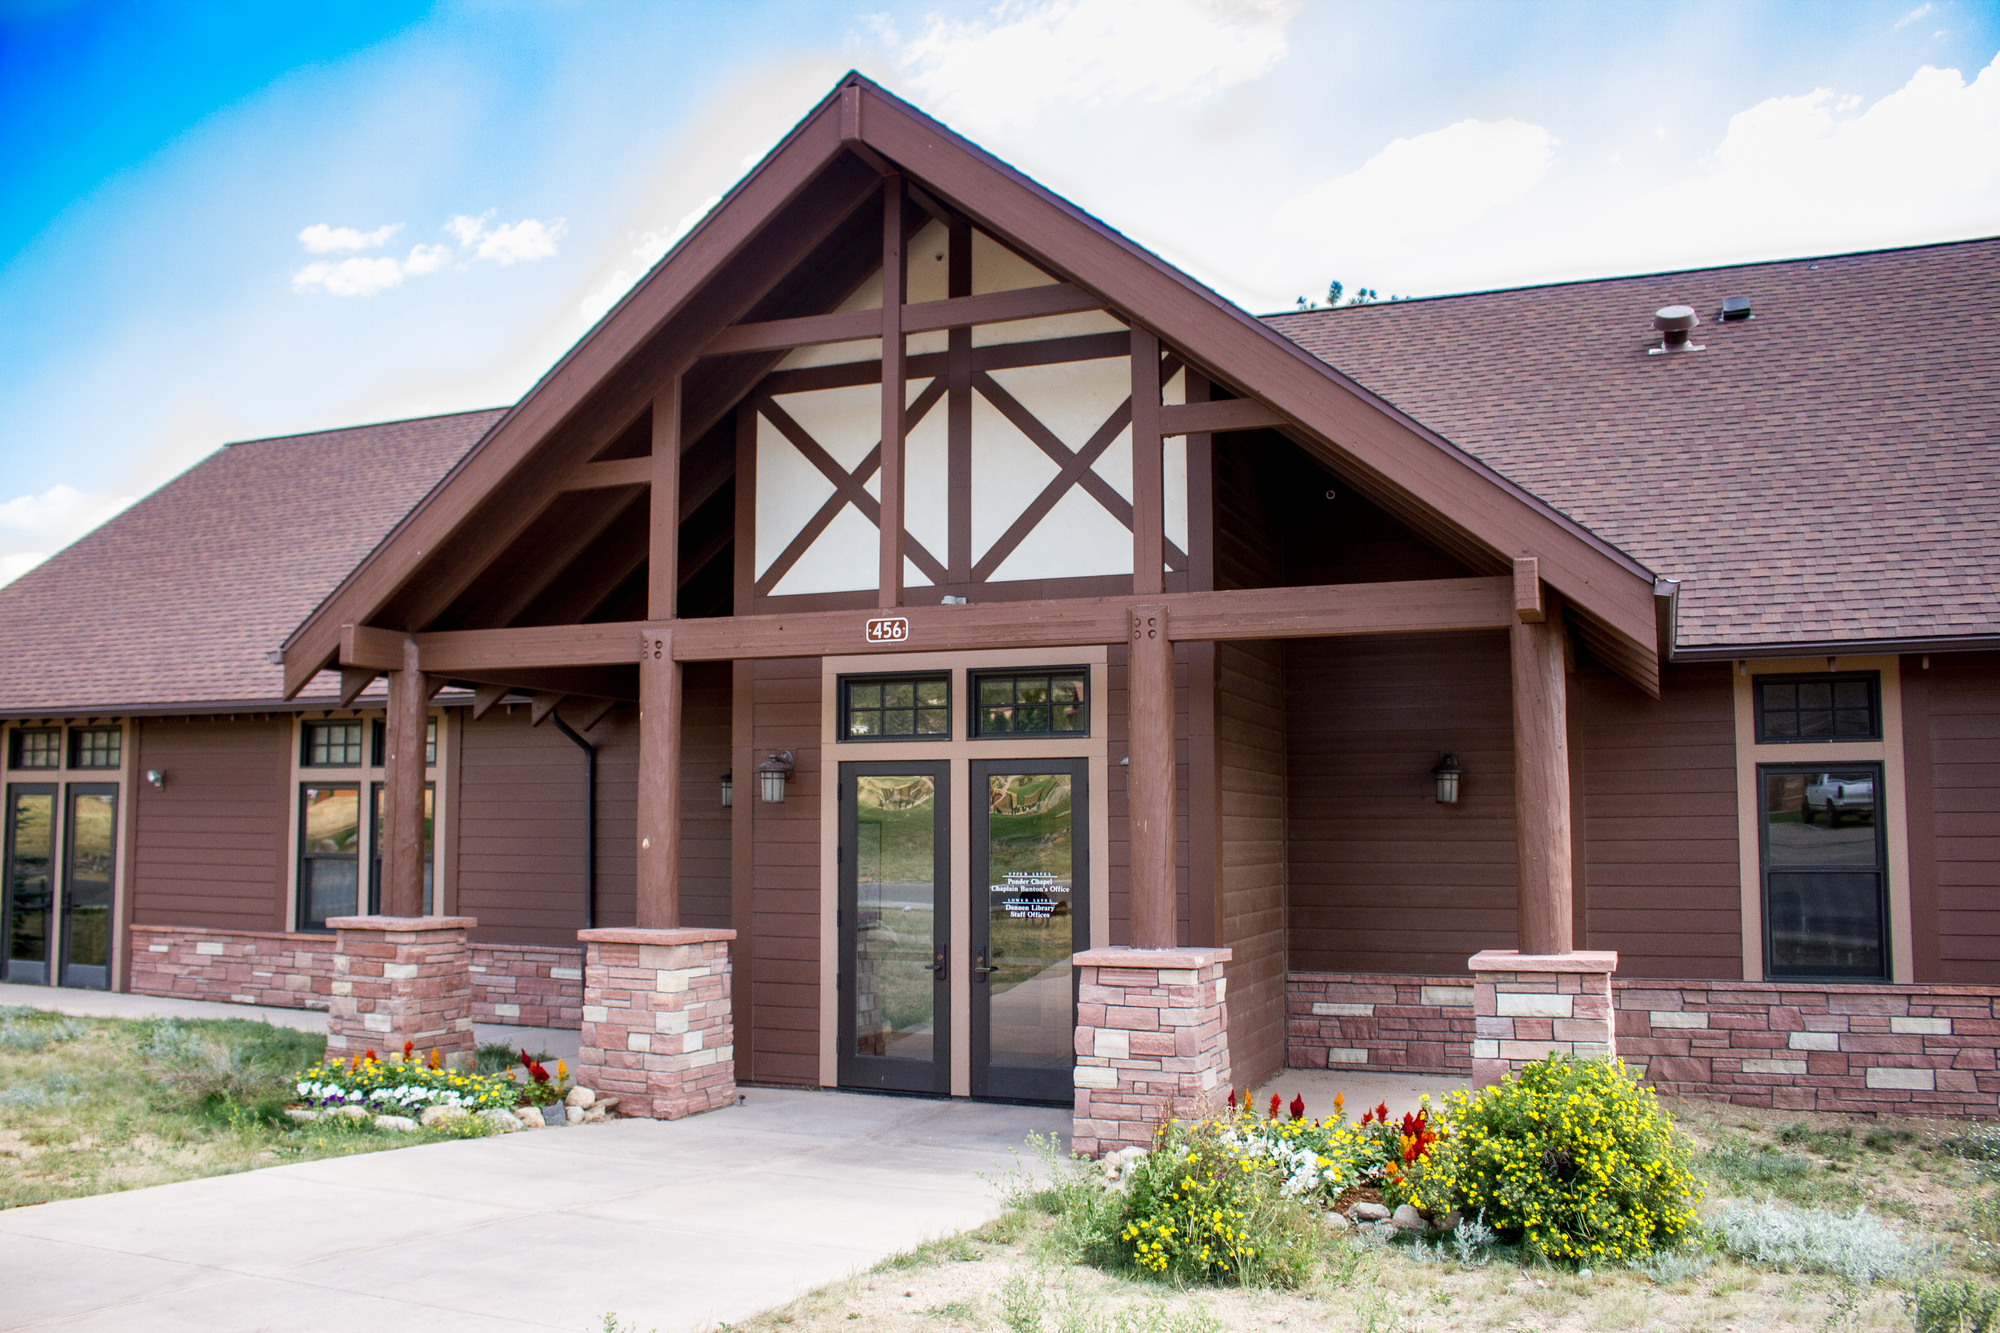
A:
x: 95, y: 1105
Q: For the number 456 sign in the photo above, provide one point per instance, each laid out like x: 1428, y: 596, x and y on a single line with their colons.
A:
x: 888, y: 629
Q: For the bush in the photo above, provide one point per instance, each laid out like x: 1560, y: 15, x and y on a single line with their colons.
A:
x: 1855, y: 1246
x: 31, y: 1031
x: 1199, y: 1208
x: 1570, y: 1157
x: 1952, y: 1307
x: 214, y: 1064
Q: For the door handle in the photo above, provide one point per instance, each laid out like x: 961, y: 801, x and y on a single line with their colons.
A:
x: 980, y: 971
x: 937, y: 968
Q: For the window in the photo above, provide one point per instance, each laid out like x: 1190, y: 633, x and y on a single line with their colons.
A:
x: 95, y: 747
x: 329, y: 850
x: 375, y: 886
x: 378, y: 747
x: 332, y: 745
x: 889, y: 708
x: 1818, y: 708
x: 1040, y: 703
x: 1824, y: 872
x: 36, y: 747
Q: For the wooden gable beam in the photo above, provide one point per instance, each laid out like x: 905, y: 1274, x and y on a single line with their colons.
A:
x: 353, y: 680
x: 782, y: 335
x: 616, y: 472
x: 552, y: 559
x: 1214, y: 417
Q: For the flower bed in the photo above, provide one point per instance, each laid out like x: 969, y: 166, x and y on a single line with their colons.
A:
x: 406, y: 1088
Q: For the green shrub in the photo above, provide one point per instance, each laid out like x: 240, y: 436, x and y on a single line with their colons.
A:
x: 1855, y: 1246
x: 1570, y: 1157
x: 1201, y: 1209
x: 31, y: 1031
x: 1952, y: 1307
x: 211, y: 1065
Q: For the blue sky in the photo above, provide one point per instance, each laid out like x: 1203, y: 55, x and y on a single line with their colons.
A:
x: 225, y: 221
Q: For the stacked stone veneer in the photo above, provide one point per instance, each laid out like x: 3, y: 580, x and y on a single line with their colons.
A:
x: 401, y: 979
x: 658, y: 1031
x: 1526, y: 1007
x: 1152, y: 1042
x: 517, y: 985
x: 1341, y: 1020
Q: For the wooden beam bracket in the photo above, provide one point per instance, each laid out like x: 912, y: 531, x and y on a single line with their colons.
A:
x: 1528, y: 604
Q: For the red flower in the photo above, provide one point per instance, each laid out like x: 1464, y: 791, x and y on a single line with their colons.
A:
x: 1382, y: 1112
x: 1298, y: 1106
x: 1232, y: 1099
x: 1273, y: 1113
x: 408, y: 1046
x: 371, y: 1056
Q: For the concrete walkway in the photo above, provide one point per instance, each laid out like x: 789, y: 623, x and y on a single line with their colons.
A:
x: 671, y: 1225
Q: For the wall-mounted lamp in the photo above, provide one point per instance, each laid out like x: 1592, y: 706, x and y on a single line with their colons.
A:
x: 773, y: 774
x: 1447, y: 773
x: 157, y: 776
x: 728, y: 797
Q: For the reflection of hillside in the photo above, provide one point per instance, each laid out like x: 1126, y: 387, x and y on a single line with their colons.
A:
x: 1029, y: 795
x: 895, y: 793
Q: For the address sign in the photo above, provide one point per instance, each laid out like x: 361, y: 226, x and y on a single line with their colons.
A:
x: 888, y: 629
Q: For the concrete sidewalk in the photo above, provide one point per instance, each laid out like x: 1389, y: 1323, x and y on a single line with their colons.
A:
x: 555, y: 1043
x: 677, y: 1225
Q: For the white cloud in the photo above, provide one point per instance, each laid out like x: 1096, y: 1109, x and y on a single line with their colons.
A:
x: 1913, y: 15
x: 1000, y: 72
x: 1425, y: 188
x: 509, y: 243
x: 320, y: 239
x: 649, y: 249
x: 48, y: 522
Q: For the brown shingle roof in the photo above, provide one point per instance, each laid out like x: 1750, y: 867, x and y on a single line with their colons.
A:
x: 1827, y: 471
x: 178, y: 599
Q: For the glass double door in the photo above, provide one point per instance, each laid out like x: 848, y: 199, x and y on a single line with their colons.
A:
x: 55, y: 899
x: 905, y: 973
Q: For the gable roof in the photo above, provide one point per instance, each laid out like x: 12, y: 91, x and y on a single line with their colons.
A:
x: 1826, y: 473
x: 609, y: 377
x: 178, y: 600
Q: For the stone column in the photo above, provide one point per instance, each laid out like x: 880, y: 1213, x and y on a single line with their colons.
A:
x: 398, y: 979
x: 1526, y: 1005
x: 1152, y: 1042
x: 658, y: 1032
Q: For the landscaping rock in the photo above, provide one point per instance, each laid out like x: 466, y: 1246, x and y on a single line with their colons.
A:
x: 1367, y: 1212
x: 608, y: 1105
x: 1407, y: 1218
x: 302, y: 1115
x: 350, y: 1113
x: 593, y: 1115
x: 400, y: 1124
x: 504, y: 1121
x: 580, y: 1097
x: 573, y: 1114
x: 530, y: 1117
x: 554, y: 1115
x: 1450, y: 1221
x: 435, y: 1116
x: 1335, y: 1222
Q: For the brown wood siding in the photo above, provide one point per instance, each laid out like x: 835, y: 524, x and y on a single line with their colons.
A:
x: 1250, y: 768
x: 1119, y: 739
x: 212, y: 845
x: 784, y: 949
x: 1382, y: 877
x: 1965, y: 779
x: 704, y: 823
x: 1248, y: 552
x: 617, y: 742
x: 1659, y: 810
x: 521, y: 841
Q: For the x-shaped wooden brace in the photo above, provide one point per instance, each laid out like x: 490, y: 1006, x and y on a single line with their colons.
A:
x: 1076, y: 469
x: 849, y: 488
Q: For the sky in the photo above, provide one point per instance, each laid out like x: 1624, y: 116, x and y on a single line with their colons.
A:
x: 232, y: 219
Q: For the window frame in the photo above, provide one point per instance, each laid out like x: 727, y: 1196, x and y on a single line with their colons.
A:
x: 1873, y: 679
x: 360, y: 744
x: 305, y: 857
x: 15, y: 737
x: 844, y: 683
x: 1884, y: 904
x: 974, y: 708
x: 75, y: 748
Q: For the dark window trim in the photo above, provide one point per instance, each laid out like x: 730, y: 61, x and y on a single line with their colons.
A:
x: 303, y: 887
x: 842, y: 710
x: 376, y: 797
x: 17, y: 734
x: 1873, y: 679
x: 973, y: 708
x: 1882, y: 896
x: 378, y: 742
x: 306, y: 740
x: 76, y: 735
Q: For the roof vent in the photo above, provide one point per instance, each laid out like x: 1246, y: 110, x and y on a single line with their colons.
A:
x: 1735, y: 308
x: 1677, y: 323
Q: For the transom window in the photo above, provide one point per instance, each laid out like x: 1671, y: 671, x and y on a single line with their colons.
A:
x: 379, y: 744
x: 37, y: 747
x: 1819, y: 708
x: 1038, y: 703
x: 895, y: 708
x: 95, y: 747
x: 332, y: 745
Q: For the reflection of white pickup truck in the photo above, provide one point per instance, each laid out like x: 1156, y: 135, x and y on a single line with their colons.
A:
x: 1839, y: 794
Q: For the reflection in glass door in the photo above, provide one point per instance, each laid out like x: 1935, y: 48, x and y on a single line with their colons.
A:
x: 91, y: 831
x: 30, y: 884
x: 1031, y: 897
x: 894, y: 927
x: 1824, y: 873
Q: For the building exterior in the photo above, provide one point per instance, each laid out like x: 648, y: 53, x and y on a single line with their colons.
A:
x: 1224, y: 685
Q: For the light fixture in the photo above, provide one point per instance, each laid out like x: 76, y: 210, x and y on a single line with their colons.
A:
x: 1447, y: 773
x: 728, y: 798
x: 773, y: 774
x: 157, y: 776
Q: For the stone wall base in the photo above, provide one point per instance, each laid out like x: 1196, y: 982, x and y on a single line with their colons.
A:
x: 1371, y: 1021
x: 401, y: 979
x: 658, y: 1031
x: 1152, y: 1042
x: 1526, y: 1007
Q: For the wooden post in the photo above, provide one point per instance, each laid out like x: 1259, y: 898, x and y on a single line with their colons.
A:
x: 659, y: 783
x: 664, y: 540
x: 891, y: 581
x: 958, y: 414
x: 403, y: 801
x: 1541, y: 780
x: 1149, y: 673
x: 1148, y: 483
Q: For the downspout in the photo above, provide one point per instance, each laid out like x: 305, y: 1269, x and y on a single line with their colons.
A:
x: 589, y: 819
